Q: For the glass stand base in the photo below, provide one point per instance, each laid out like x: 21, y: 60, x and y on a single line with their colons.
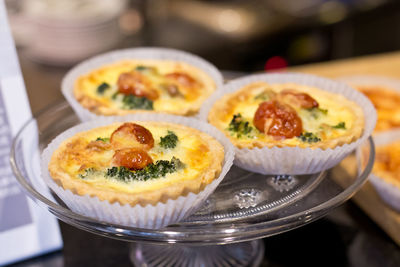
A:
x: 249, y: 254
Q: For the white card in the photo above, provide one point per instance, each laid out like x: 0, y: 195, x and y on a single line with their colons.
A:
x: 26, y: 229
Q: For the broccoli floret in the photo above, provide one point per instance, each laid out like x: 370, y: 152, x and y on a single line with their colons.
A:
x: 141, y: 68
x: 169, y: 141
x: 309, y: 137
x: 235, y: 123
x: 120, y: 173
x: 323, y: 111
x: 146, y: 69
x: 239, y: 127
x: 115, y: 95
x: 134, y: 102
x: 104, y: 139
x: 87, y: 172
x: 177, y: 163
x: 112, y: 171
x: 102, y: 88
x: 317, y: 112
x: 262, y: 96
x: 154, y: 170
x: 266, y: 95
x: 340, y: 125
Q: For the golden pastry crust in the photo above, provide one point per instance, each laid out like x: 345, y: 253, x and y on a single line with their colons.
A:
x: 387, y: 163
x: 387, y: 105
x: 202, y: 155
x: 246, y: 100
x: 187, y: 102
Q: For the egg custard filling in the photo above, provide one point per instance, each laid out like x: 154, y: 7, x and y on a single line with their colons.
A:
x: 268, y: 115
x: 137, y: 162
x: 132, y: 86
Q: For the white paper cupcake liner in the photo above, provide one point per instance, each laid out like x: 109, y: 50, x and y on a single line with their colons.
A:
x: 67, y: 85
x: 295, y: 160
x: 388, y: 192
x: 150, y: 216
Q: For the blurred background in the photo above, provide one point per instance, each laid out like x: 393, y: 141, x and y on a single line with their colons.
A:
x: 248, y: 35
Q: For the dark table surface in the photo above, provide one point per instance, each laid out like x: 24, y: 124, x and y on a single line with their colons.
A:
x: 346, y: 237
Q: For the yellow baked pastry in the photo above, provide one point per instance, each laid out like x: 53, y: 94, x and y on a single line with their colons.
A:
x: 387, y: 105
x: 387, y: 163
x: 268, y: 115
x: 144, y: 85
x: 137, y: 162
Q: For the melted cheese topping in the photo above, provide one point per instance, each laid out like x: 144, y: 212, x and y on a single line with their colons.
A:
x: 193, y: 149
x: 387, y: 104
x: 188, y: 103
x: 333, y: 110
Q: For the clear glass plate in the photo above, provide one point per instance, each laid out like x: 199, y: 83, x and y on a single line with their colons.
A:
x: 246, y: 206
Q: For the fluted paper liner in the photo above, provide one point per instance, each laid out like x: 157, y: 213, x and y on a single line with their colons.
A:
x: 295, y: 160
x: 67, y: 85
x: 388, y: 192
x: 149, y: 216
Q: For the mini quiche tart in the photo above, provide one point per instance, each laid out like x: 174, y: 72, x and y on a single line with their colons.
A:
x: 385, y: 176
x: 387, y: 104
x: 387, y: 163
x: 144, y: 85
x: 137, y: 162
x: 287, y: 115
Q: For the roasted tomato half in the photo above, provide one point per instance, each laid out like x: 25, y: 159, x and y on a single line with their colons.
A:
x: 298, y: 99
x: 132, y: 135
x: 183, y: 79
x: 278, y: 120
x: 135, y: 83
x: 132, y: 158
x: 186, y: 85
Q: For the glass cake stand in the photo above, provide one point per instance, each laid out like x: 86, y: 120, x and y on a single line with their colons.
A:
x: 227, y: 230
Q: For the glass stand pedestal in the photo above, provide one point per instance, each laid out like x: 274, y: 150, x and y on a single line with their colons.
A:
x: 244, y: 254
x: 227, y: 230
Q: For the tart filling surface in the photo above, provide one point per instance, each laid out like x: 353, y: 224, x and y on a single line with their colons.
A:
x: 137, y: 162
x: 268, y: 115
x: 132, y: 86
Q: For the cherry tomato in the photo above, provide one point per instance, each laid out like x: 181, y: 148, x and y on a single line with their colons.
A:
x: 133, y: 135
x: 132, y: 158
x: 182, y: 78
x: 302, y: 100
x: 134, y: 83
x: 277, y: 119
